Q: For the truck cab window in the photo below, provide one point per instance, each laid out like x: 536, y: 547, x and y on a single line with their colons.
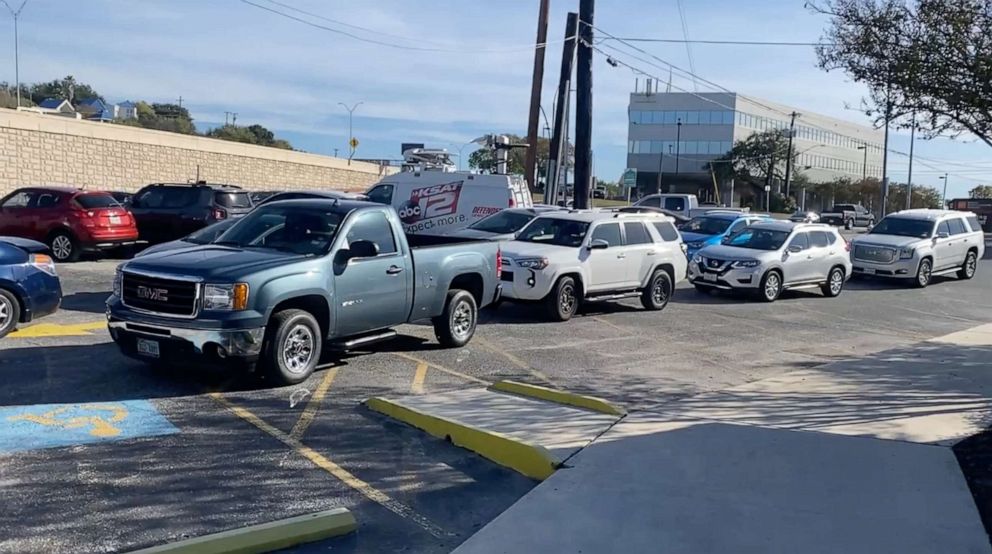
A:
x: 674, y: 204
x: 375, y: 228
x: 381, y: 194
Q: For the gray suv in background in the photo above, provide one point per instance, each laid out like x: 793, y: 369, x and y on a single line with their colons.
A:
x: 771, y: 256
x: 918, y: 244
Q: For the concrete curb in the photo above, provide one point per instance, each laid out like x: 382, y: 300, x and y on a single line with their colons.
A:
x: 528, y: 459
x: 264, y: 537
x: 558, y: 397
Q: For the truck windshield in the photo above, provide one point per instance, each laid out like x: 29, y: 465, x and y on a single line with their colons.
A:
x: 297, y: 229
x: 758, y: 239
x: 903, y: 227
x: 558, y: 232
x: 210, y: 232
x: 503, y: 222
x: 707, y: 225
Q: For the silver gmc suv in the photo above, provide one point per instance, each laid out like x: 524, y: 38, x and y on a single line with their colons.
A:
x: 918, y: 244
x: 771, y: 256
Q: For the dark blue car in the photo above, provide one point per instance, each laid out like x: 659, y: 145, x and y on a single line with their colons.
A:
x: 29, y: 287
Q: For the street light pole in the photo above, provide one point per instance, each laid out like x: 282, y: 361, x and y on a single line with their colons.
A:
x: 943, y: 197
x: 864, y: 165
x: 678, y: 144
x: 351, y: 135
x: 17, y: 63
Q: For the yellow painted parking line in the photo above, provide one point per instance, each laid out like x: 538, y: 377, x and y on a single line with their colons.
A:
x: 58, y: 330
x: 313, y: 405
x: 337, y: 471
x: 442, y: 368
x: 418, y: 379
x: 513, y: 359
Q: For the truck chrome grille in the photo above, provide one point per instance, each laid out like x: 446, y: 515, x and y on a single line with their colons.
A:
x: 157, y: 295
x: 878, y: 254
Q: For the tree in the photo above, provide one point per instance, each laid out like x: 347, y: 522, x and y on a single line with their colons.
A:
x: 8, y: 95
x: 981, y: 191
x: 163, y: 117
x: 66, y: 89
x: 759, y: 159
x: 252, y: 134
x: 482, y: 159
x: 929, y: 57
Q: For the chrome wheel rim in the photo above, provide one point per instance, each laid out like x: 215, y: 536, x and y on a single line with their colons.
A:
x: 659, y: 293
x: 61, y: 247
x: 5, y: 313
x: 462, y: 320
x: 566, y: 299
x: 298, y: 349
x: 971, y: 265
x: 771, y: 286
x: 836, y: 282
x: 924, y: 276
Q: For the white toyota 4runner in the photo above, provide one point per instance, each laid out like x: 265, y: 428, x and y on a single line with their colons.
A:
x: 561, y: 259
x: 918, y: 244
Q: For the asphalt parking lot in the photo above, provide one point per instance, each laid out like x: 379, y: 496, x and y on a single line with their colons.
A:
x: 194, y: 453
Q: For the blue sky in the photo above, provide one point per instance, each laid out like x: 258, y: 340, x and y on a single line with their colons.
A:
x: 225, y: 55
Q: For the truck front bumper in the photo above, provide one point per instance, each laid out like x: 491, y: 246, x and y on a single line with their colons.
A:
x: 152, y: 342
x: 901, y: 269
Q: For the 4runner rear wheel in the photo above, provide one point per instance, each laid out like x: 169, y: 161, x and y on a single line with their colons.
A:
x: 563, y: 301
x: 292, y: 346
x: 456, y: 324
x: 658, y: 292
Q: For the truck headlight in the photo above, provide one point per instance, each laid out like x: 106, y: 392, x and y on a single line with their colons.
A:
x: 118, y: 283
x: 906, y: 253
x: 740, y: 264
x: 533, y: 263
x: 225, y: 297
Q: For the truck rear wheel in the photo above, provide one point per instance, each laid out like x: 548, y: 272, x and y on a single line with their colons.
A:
x: 292, y: 346
x: 456, y: 324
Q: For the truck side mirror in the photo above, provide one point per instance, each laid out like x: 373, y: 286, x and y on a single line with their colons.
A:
x: 942, y: 235
x: 795, y: 249
x: 599, y: 244
x: 363, y: 249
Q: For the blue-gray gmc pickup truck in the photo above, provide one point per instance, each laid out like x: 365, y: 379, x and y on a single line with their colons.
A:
x: 293, y: 275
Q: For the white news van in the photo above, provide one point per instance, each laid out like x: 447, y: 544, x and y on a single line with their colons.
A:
x: 432, y: 199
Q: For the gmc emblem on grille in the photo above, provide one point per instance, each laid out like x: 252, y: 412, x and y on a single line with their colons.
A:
x: 148, y: 293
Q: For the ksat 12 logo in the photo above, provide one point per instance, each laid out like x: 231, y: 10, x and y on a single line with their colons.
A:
x: 430, y: 202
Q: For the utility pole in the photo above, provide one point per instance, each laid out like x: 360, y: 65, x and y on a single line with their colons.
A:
x: 788, y: 160
x: 335, y: 152
x: 351, y: 136
x: 583, y: 105
x: 661, y: 164
x: 885, y: 154
x: 678, y: 144
x: 909, y: 178
x: 17, y: 64
x: 234, y: 118
x: 530, y: 161
x: 559, y: 141
x: 943, y: 197
x: 864, y: 165
x: 180, y: 102
x: 227, y: 116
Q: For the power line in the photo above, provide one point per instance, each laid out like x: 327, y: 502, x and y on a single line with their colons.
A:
x: 349, y: 25
x: 529, y: 47
x: 721, y: 42
x: 688, y: 46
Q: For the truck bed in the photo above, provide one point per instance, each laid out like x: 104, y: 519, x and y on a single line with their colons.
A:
x: 427, y: 241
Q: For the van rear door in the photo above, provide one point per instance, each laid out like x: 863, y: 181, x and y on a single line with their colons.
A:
x: 519, y: 193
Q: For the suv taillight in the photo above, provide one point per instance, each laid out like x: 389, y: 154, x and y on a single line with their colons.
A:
x: 847, y: 245
x: 513, y: 202
x: 219, y: 214
x: 499, y: 263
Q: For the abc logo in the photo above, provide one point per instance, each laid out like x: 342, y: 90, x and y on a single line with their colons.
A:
x: 409, y: 211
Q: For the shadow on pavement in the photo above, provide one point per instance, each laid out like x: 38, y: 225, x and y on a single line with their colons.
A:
x: 92, y: 302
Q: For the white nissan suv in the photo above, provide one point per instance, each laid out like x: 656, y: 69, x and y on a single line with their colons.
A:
x: 918, y: 244
x: 563, y: 258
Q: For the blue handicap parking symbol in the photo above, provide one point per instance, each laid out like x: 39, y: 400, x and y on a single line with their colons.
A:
x: 52, y: 425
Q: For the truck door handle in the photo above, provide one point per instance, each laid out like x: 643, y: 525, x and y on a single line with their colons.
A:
x: 651, y: 253
x: 621, y: 256
x: 394, y: 269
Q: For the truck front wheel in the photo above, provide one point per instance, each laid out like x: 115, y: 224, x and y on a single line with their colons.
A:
x: 292, y: 346
x: 456, y: 324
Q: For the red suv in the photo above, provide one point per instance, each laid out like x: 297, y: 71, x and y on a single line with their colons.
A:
x: 68, y: 220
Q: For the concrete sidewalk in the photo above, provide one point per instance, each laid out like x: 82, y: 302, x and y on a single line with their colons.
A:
x: 850, y: 457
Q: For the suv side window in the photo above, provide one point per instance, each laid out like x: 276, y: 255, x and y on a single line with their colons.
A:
x: 636, y: 233
x: 180, y: 197
x: 47, y: 200
x: 943, y: 228
x: 375, y: 228
x: 818, y: 239
x: 956, y: 225
x: 801, y: 240
x: 610, y: 232
x: 381, y: 194
x: 976, y: 225
x: 666, y: 230
x: 19, y: 200
x: 736, y: 226
x: 151, y: 198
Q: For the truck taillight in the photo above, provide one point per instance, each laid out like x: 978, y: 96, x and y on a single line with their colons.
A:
x: 499, y: 262
x: 513, y: 202
x: 219, y: 214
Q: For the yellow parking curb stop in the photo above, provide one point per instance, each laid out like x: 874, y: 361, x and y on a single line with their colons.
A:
x: 559, y: 397
x: 265, y: 537
x: 531, y: 460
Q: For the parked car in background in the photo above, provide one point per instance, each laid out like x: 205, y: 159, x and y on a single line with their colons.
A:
x: 600, y: 191
x: 197, y: 238
x: 70, y: 221
x: 981, y: 207
x: 562, y: 259
x: 29, y: 287
x: 771, y: 256
x: 686, y: 205
x: 802, y: 216
x: 326, y: 194
x: 678, y: 219
x: 849, y: 216
x: 502, y: 225
x: 293, y: 274
x: 257, y: 197
x: 918, y: 244
x: 167, y: 211
x: 122, y: 198
x: 711, y: 228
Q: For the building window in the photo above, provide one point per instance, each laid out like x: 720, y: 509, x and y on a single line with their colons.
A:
x: 692, y: 118
x: 704, y: 118
x: 669, y: 118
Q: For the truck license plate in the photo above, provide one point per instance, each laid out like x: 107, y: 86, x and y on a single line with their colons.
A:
x: 869, y: 271
x: 148, y: 348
